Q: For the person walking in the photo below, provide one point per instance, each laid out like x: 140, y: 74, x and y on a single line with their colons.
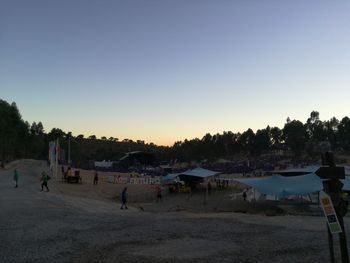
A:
x: 124, y: 198
x: 44, y: 179
x: 15, y: 177
x: 96, y: 178
x: 245, y: 195
x: 159, y: 193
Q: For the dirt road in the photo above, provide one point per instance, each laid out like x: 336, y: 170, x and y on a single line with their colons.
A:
x: 50, y: 227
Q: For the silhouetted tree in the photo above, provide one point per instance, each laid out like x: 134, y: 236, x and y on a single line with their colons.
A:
x: 295, y: 135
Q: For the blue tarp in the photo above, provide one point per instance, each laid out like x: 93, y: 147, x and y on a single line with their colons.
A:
x: 346, y: 183
x: 282, y: 186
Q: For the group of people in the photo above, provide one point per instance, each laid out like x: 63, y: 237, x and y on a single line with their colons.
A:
x: 44, y: 180
x: 69, y: 171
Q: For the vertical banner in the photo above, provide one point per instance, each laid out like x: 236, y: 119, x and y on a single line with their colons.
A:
x: 54, y: 153
x: 57, y: 155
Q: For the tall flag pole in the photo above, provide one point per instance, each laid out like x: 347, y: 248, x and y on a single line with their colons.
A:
x: 57, y: 153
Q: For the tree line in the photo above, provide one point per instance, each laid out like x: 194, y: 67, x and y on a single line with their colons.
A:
x: 19, y: 139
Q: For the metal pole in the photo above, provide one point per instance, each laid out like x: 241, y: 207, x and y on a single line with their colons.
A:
x: 68, y: 150
x: 330, y: 243
x: 342, y: 240
x: 57, y: 153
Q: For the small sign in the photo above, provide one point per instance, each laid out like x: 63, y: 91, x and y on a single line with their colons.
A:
x: 329, y: 212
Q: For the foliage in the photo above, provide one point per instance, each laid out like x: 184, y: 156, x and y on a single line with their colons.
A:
x: 19, y: 139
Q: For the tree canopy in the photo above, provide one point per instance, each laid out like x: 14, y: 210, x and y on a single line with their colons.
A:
x: 19, y: 139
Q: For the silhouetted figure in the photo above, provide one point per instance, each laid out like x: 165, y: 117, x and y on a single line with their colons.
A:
x: 124, y: 198
x: 63, y: 173
x: 245, y: 194
x: 15, y: 177
x: 96, y: 178
x: 44, y: 179
x: 159, y: 193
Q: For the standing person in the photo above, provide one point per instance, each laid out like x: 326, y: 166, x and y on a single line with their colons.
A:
x: 63, y: 173
x: 245, y: 195
x: 96, y: 177
x: 124, y: 198
x: 159, y: 193
x: 44, y: 179
x: 15, y: 177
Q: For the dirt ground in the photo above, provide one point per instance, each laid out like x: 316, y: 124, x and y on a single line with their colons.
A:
x: 83, y: 223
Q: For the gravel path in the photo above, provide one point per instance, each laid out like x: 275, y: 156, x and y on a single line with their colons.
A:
x: 50, y: 227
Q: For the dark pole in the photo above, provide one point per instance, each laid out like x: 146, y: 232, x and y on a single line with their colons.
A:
x: 330, y: 243
x: 69, y: 150
x: 342, y: 240
x: 333, y: 186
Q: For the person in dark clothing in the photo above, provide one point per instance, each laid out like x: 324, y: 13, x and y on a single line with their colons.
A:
x: 63, y: 173
x: 159, y: 193
x: 245, y: 195
x: 124, y: 198
x: 15, y: 177
x: 96, y: 178
x: 44, y: 179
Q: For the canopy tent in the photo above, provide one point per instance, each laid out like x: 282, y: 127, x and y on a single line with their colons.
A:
x: 196, y: 175
x: 171, y: 178
x: 199, y: 172
x: 346, y: 183
x: 282, y: 186
x: 295, y: 171
x: 303, y: 171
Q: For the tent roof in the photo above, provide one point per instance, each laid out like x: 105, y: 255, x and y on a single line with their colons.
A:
x: 292, y: 185
x: 296, y: 171
x: 284, y: 186
x: 199, y: 172
x: 170, y: 176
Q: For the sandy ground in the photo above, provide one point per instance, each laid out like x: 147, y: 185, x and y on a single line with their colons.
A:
x: 83, y: 223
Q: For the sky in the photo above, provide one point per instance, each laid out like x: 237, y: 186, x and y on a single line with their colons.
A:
x: 163, y: 71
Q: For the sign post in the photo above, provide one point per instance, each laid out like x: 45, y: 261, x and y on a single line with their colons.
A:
x: 330, y: 214
x: 333, y: 204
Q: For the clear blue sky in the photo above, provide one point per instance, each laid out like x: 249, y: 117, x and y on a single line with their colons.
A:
x: 164, y: 70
